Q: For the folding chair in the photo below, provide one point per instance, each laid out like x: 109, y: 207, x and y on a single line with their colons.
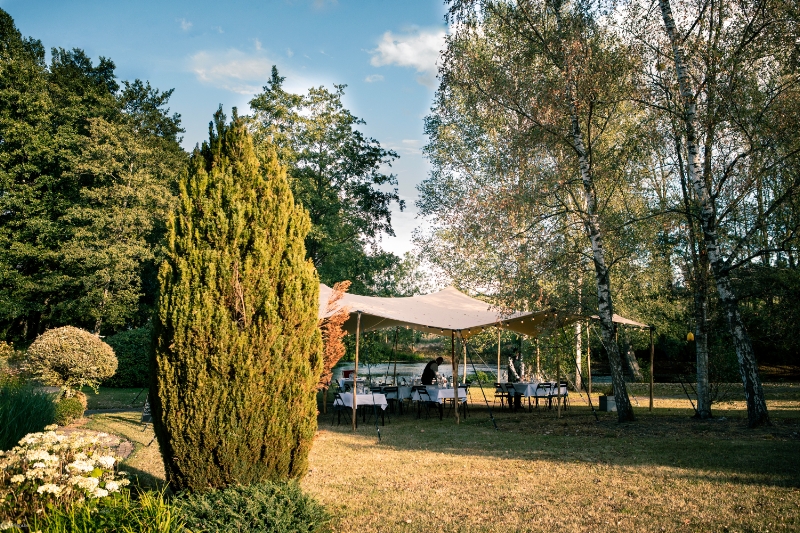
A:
x: 393, y: 399
x: 501, y: 393
x: 543, y: 390
x: 338, y: 408
x: 564, y: 392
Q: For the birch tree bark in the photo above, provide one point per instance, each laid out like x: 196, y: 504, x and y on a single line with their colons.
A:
x: 748, y: 367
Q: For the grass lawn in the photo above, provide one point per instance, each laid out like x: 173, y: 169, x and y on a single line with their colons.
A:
x: 665, y: 472
x: 115, y: 398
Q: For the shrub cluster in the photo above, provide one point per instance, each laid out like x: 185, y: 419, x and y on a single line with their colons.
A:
x: 133, y: 349
x: 259, y: 508
x: 53, y: 470
x: 68, y: 410
x: 71, y: 358
x: 23, y: 410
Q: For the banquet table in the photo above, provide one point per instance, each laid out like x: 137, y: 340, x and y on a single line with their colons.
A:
x: 363, y: 400
x: 440, y: 394
x: 348, y: 381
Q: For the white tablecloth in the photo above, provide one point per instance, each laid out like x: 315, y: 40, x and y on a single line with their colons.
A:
x: 440, y: 395
x: 531, y: 390
x: 364, y: 399
x: 348, y: 381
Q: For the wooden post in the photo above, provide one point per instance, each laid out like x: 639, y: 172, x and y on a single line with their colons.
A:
x: 498, y: 354
x: 652, y: 354
x: 355, y: 371
x: 589, y: 357
x: 455, y: 373
x: 396, y: 333
x: 558, y: 380
x: 538, y: 366
x: 464, y: 347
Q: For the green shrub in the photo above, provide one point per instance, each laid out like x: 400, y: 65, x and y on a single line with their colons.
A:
x: 238, y: 352
x: 68, y: 410
x: 133, y: 349
x: 71, y: 358
x: 23, y: 410
x: 149, y: 513
x: 259, y: 508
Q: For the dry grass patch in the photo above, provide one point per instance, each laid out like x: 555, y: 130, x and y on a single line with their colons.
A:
x: 665, y: 472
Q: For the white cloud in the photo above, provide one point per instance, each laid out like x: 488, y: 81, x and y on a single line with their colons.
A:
x: 185, y: 24
x: 257, y: 44
x: 289, y: 52
x: 372, y: 78
x: 417, y: 49
x: 232, y: 70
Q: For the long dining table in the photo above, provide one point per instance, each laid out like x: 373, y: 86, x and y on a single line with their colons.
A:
x: 376, y: 399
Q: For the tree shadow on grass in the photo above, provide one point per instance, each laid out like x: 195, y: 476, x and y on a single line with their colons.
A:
x: 721, y: 449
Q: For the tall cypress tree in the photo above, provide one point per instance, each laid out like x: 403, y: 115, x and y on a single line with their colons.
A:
x: 238, y: 352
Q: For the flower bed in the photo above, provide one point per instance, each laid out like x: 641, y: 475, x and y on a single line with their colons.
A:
x: 57, y: 469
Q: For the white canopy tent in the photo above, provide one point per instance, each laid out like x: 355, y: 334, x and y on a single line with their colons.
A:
x: 448, y: 312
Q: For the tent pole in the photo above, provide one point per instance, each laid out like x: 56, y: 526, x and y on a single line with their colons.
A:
x: 396, y: 332
x: 538, y: 366
x: 464, y: 346
x: 558, y: 380
x: 589, y: 357
x: 498, y: 354
x: 652, y: 353
x: 455, y: 373
x: 355, y: 371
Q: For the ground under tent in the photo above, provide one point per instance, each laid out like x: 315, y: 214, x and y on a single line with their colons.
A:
x: 448, y: 312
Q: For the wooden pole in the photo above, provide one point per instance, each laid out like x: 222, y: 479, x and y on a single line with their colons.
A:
x: 464, y: 347
x: 355, y: 371
x: 538, y: 366
x: 652, y: 355
x: 558, y: 380
x: 455, y: 373
x: 396, y: 332
x: 498, y: 354
x: 589, y: 357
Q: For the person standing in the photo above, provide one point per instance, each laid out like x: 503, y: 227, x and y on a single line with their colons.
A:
x: 429, y: 374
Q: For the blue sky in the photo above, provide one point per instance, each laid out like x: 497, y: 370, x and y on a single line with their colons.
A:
x: 215, y: 53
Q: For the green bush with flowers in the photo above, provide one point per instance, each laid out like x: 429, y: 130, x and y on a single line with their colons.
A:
x: 55, y: 470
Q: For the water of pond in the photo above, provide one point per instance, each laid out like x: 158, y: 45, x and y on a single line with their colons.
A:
x: 407, y: 370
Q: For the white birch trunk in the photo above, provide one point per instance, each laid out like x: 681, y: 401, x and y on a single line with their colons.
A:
x: 592, y: 226
x: 748, y: 368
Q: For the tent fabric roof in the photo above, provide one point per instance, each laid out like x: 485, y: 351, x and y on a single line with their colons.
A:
x: 442, y: 313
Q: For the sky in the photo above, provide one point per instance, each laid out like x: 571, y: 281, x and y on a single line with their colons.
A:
x: 216, y: 53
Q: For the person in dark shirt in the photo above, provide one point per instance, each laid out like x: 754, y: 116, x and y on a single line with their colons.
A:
x: 429, y: 374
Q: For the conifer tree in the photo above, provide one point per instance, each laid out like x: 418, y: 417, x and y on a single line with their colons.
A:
x: 238, y: 352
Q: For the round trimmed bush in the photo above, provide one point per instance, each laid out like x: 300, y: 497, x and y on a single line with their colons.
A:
x: 68, y: 410
x: 71, y: 358
x: 257, y: 508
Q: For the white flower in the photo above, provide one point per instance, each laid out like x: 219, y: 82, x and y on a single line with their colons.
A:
x: 106, y: 461
x: 39, y: 465
x: 124, y: 482
x: 19, y: 478
x: 80, y: 456
x: 112, y: 486
x: 85, y: 483
x: 6, y: 525
x: 99, y: 493
x: 51, y: 427
x: 49, y: 488
x: 81, y: 466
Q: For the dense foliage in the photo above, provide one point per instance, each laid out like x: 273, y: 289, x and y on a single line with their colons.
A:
x: 71, y: 358
x: 133, y: 349
x: 258, y: 508
x: 238, y: 351
x: 336, y: 173
x: 87, y: 168
x: 23, y: 410
x: 68, y: 410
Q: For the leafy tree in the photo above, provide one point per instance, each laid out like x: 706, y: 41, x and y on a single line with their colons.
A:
x: 727, y: 81
x: 86, y: 173
x: 238, y: 352
x: 549, y: 159
x: 335, y: 172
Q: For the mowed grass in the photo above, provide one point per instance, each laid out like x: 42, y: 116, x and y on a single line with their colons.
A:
x: 536, y: 472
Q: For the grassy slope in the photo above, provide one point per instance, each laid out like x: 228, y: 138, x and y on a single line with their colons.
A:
x: 665, y: 472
